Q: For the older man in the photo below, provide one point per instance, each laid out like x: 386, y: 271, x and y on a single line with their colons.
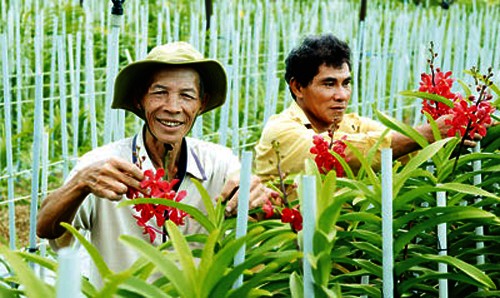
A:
x: 318, y: 73
x: 168, y: 90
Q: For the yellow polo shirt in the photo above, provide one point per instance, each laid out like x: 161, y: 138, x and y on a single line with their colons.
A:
x: 294, y: 132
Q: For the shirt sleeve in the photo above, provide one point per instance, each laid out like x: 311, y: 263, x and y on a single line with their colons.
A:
x: 364, y: 134
x: 294, y: 141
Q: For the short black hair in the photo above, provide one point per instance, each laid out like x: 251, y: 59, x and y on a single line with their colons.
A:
x: 303, y: 62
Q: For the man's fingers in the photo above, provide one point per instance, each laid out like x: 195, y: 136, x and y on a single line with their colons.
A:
x: 229, y: 189
x: 232, y: 204
x: 470, y: 143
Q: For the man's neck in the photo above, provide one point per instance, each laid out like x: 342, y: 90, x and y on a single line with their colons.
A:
x: 163, y: 155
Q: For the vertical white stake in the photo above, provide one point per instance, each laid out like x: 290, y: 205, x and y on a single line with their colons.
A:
x: 8, y: 136
x: 243, y: 205
x: 309, y: 225
x: 476, y: 166
x: 442, y: 246
x: 68, y: 279
x: 387, y: 240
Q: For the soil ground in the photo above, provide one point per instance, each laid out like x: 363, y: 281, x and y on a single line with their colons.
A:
x: 22, y: 215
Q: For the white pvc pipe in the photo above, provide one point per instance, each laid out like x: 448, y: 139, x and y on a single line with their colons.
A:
x: 442, y: 246
x: 243, y: 205
x: 309, y: 226
x: 387, y: 240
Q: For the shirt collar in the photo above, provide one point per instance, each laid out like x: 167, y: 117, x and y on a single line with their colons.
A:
x: 193, y: 167
x: 297, y: 113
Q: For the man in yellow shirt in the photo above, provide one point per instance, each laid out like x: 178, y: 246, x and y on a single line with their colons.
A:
x: 318, y: 73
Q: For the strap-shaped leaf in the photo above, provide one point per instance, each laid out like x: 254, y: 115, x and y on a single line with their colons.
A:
x: 185, y: 256
x: 402, y: 128
x: 296, y: 285
x: 207, y: 201
x: 193, y: 211
x: 142, y: 288
x: 87, y: 288
x: 165, y: 265
x: 470, y: 270
x: 33, y: 286
x: 207, y: 253
x: 436, y: 216
x: 101, y: 266
x: 430, y: 96
x: 415, y: 162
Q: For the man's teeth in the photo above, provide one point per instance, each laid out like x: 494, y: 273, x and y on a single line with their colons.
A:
x: 170, y: 123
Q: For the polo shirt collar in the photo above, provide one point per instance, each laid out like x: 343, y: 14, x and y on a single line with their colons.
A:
x: 297, y: 113
x: 193, y: 166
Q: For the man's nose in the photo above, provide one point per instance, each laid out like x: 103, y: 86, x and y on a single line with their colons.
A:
x: 341, y: 94
x: 173, y: 104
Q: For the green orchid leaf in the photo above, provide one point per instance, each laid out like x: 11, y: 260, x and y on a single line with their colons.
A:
x: 193, y: 211
x: 466, y: 88
x: 328, y: 218
x: 37, y: 259
x: 185, y: 256
x: 326, y: 192
x: 322, y: 242
x: 372, y: 177
x: 296, y: 285
x: 370, y: 249
x: 142, y: 288
x: 87, y: 288
x: 436, y: 216
x: 32, y: 285
x: 446, y: 170
x: 223, y: 258
x: 424, y: 155
x: 323, y: 268
x: 207, y: 253
x: 270, y: 269
x: 369, y: 236
x: 347, y: 169
x: 469, y: 270
x: 402, y: 128
x: 430, y: 96
x: 101, y: 266
x: 359, y: 290
x: 207, y: 201
x: 111, y: 284
x: 165, y: 265
x: 6, y: 291
x: 361, y: 217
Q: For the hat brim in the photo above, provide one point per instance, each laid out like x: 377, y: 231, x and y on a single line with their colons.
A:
x: 211, y: 73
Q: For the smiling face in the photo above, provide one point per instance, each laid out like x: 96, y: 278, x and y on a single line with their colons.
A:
x: 325, y: 99
x: 171, y: 104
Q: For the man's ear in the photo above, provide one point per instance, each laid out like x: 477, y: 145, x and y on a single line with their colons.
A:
x: 296, y: 88
x: 204, y: 102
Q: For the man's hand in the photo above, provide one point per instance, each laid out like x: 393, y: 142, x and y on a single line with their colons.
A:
x: 259, y: 194
x: 443, y: 130
x: 111, y: 178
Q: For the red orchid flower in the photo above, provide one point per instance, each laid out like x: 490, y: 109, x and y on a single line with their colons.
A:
x: 268, y: 209
x: 293, y: 217
x: 147, y: 228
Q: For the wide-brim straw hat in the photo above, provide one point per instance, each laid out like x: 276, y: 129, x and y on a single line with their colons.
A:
x: 211, y: 73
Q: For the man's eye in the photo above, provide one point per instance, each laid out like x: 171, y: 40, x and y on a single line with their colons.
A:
x: 187, y: 96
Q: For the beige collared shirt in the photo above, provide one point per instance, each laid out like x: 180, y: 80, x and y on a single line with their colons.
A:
x: 209, y: 163
x: 294, y: 132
